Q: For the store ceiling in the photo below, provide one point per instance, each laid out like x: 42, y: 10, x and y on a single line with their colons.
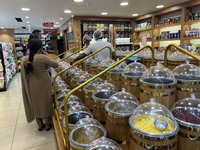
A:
x: 53, y: 10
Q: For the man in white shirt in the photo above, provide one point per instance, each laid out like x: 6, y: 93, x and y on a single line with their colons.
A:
x: 105, y: 53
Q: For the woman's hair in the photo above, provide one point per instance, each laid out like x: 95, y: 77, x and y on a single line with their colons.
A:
x: 34, y: 45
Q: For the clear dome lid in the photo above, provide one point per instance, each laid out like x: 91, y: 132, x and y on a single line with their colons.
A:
x: 106, y: 63
x: 104, y: 91
x: 78, y: 74
x: 134, y: 70
x: 63, y: 92
x: 84, y: 78
x: 90, y: 87
x: 72, y: 101
x: 176, y: 56
x: 85, y: 131
x: 96, y: 62
x: 60, y: 98
x: 77, y: 112
x: 72, y: 70
x: 159, y: 55
x: 122, y: 103
x: 104, y: 144
x: 119, y: 68
x: 154, y: 120
x: 158, y: 76
x: 187, y: 73
x: 187, y: 111
x: 88, y: 61
x: 147, y: 54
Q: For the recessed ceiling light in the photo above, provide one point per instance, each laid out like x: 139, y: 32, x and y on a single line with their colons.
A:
x: 2, y: 27
x: 27, y: 17
x: 27, y: 22
x: 134, y: 14
x: 160, y: 6
x: 25, y: 9
x: 78, y: 0
x: 124, y: 3
x: 57, y: 22
x: 61, y: 18
x: 28, y: 25
x: 104, y: 13
x: 51, y: 28
x: 67, y: 11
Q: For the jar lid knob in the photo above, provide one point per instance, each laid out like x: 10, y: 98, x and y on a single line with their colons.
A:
x: 187, y: 62
x: 158, y: 64
x: 105, y: 81
x: 123, y: 89
x: 135, y: 60
x: 152, y: 100
x: 103, y: 138
x: 87, y: 116
x: 117, y: 59
x: 193, y: 95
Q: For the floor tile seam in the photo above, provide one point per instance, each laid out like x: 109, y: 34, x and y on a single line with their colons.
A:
x: 9, y: 110
x: 37, y: 145
x: 15, y: 127
x: 7, y: 127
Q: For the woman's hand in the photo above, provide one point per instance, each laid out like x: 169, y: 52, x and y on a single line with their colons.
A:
x: 45, y: 53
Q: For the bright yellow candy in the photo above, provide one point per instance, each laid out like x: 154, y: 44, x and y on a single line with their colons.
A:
x: 147, y: 125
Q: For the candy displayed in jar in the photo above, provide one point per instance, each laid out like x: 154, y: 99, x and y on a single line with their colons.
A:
x: 147, y: 125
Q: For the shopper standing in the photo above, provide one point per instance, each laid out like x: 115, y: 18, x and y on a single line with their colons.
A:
x: 97, y: 35
x: 60, y: 45
x: 86, y: 41
x: 37, y: 91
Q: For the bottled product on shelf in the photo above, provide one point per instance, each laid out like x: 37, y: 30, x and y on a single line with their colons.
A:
x: 8, y: 66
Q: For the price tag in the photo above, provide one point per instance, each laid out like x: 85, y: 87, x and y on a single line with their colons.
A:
x: 144, y: 40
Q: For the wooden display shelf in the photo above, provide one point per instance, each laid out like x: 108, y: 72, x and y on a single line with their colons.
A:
x: 192, y: 22
x: 191, y: 38
x: 168, y: 26
x: 143, y: 30
x: 176, y: 39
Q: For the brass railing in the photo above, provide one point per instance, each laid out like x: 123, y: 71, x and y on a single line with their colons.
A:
x: 72, y: 54
x: 179, y: 48
x: 66, y: 52
x: 55, y: 112
x: 80, y: 86
x: 78, y: 63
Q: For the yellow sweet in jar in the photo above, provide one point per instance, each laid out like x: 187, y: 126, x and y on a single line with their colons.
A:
x: 147, y: 125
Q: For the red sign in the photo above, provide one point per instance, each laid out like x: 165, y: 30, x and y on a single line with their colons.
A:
x: 49, y: 31
x: 48, y: 24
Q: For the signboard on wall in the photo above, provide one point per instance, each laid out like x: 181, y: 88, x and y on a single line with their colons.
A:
x: 50, y: 31
x: 48, y: 24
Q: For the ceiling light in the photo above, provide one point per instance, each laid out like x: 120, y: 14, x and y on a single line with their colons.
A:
x: 67, y: 11
x: 124, y: 3
x: 51, y: 28
x: 78, y: 0
x: 27, y: 17
x: 57, y: 22
x: 134, y: 14
x: 160, y: 6
x: 25, y: 9
x: 61, y: 18
x: 28, y: 25
x: 27, y: 22
x: 104, y: 13
x: 2, y: 27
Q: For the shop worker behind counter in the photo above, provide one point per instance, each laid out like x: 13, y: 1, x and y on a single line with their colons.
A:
x: 96, y: 46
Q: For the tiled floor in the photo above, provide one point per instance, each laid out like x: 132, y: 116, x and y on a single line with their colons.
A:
x: 15, y: 132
